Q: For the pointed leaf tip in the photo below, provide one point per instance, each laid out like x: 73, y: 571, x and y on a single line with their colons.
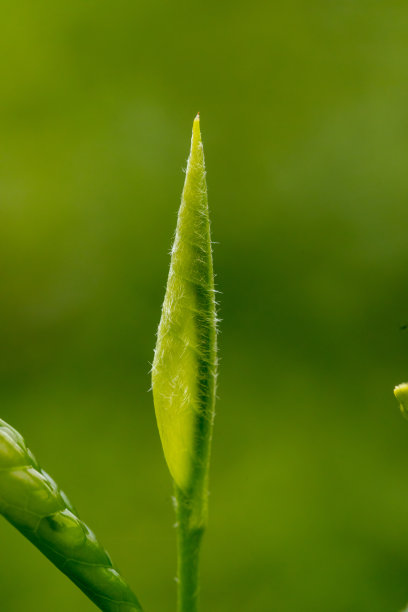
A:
x: 196, y: 136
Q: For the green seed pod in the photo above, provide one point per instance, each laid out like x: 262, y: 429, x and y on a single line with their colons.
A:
x: 32, y: 502
x: 185, y: 360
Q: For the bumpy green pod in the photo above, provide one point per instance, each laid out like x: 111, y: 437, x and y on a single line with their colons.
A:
x: 32, y: 502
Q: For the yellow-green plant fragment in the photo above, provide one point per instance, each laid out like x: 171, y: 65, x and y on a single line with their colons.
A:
x: 401, y: 393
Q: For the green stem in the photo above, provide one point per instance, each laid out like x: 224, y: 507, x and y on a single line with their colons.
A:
x: 189, y: 537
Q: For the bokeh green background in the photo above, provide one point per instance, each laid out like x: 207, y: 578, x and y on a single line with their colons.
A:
x: 304, y: 111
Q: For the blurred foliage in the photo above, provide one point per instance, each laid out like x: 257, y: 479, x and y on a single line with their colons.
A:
x: 305, y: 126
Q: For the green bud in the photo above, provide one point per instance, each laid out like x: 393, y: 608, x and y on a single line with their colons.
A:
x: 185, y: 360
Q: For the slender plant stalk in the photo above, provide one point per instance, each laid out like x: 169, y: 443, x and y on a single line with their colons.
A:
x: 184, y: 370
x: 188, y: 551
